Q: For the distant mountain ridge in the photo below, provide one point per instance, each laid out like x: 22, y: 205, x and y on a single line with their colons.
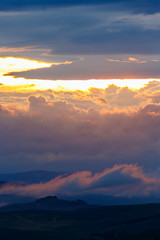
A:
x: 50, y: 203
x: 109, y: 200
x: 30, y: 177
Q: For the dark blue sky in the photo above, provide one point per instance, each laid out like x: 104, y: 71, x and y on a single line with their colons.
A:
x: 149, y: 6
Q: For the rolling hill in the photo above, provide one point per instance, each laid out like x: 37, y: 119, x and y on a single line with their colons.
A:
x: 47, y: 204
x: 140, y: 222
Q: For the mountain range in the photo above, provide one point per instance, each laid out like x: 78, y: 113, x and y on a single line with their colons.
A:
x: 30, y: 177
x: 50, y: 203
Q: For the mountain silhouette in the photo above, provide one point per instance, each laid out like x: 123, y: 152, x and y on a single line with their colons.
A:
x: 50, y: 203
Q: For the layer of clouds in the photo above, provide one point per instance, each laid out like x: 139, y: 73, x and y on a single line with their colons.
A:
x: 84, y: 32
x: 113, y: 96
x: 120, y: 180
x: 130, y: 60
x: 74, y: 130
x: 97, y: 67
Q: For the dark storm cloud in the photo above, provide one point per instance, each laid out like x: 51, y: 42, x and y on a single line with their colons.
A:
x: 82, y: 30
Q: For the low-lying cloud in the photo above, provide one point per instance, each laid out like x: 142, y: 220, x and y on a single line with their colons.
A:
x: 120, y: 180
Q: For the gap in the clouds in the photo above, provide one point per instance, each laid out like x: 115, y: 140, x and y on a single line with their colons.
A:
x: 9, y: 65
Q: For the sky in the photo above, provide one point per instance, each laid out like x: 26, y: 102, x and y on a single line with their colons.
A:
x: 80, y: 93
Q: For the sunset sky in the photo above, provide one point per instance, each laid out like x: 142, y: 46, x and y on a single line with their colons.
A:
x: 80, y: 93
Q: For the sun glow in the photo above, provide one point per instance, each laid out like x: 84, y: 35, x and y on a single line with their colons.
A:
x: 85, y: 85
x: 73, y: 85
x: 11, y: 64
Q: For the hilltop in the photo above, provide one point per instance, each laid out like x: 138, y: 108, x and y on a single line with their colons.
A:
x: 50, y: 203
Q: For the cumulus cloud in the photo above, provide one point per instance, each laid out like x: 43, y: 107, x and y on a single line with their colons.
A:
x: 78, y: 128
x: 5, y: 111
x: 117, y: 96
x: 54, y: 131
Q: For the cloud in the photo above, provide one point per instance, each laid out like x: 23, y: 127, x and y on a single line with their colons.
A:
x: 103, y: 101
x: 152, y: 108
x: 23, y: 49
x: 72, y: 130
x: 58, y: 31
x: 9, y: 64
x: 5, y: 110
x: 117, y: 96
x: 128, y: 180
x: 55, y: 132
x: 64, y: 34
x: 95, y: 67
x: 129, y: 60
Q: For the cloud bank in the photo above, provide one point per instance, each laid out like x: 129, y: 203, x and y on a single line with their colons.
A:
x: 92, y: 30
x: 120, y: 180
x: 76, y: 129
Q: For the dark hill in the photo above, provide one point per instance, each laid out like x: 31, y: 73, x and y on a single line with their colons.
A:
x: 47, y: 204
x: 140, y: 222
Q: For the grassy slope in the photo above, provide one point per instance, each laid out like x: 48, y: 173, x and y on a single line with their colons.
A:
x: 140, y: 222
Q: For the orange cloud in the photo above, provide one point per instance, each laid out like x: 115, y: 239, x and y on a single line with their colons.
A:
x: 130, y: 60
x: 120, y: 180
x: 75, y: 128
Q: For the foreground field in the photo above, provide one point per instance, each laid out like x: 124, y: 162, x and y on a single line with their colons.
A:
x: 117, y: 222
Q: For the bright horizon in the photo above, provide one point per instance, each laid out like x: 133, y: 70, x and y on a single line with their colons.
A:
x: 9, y: 65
